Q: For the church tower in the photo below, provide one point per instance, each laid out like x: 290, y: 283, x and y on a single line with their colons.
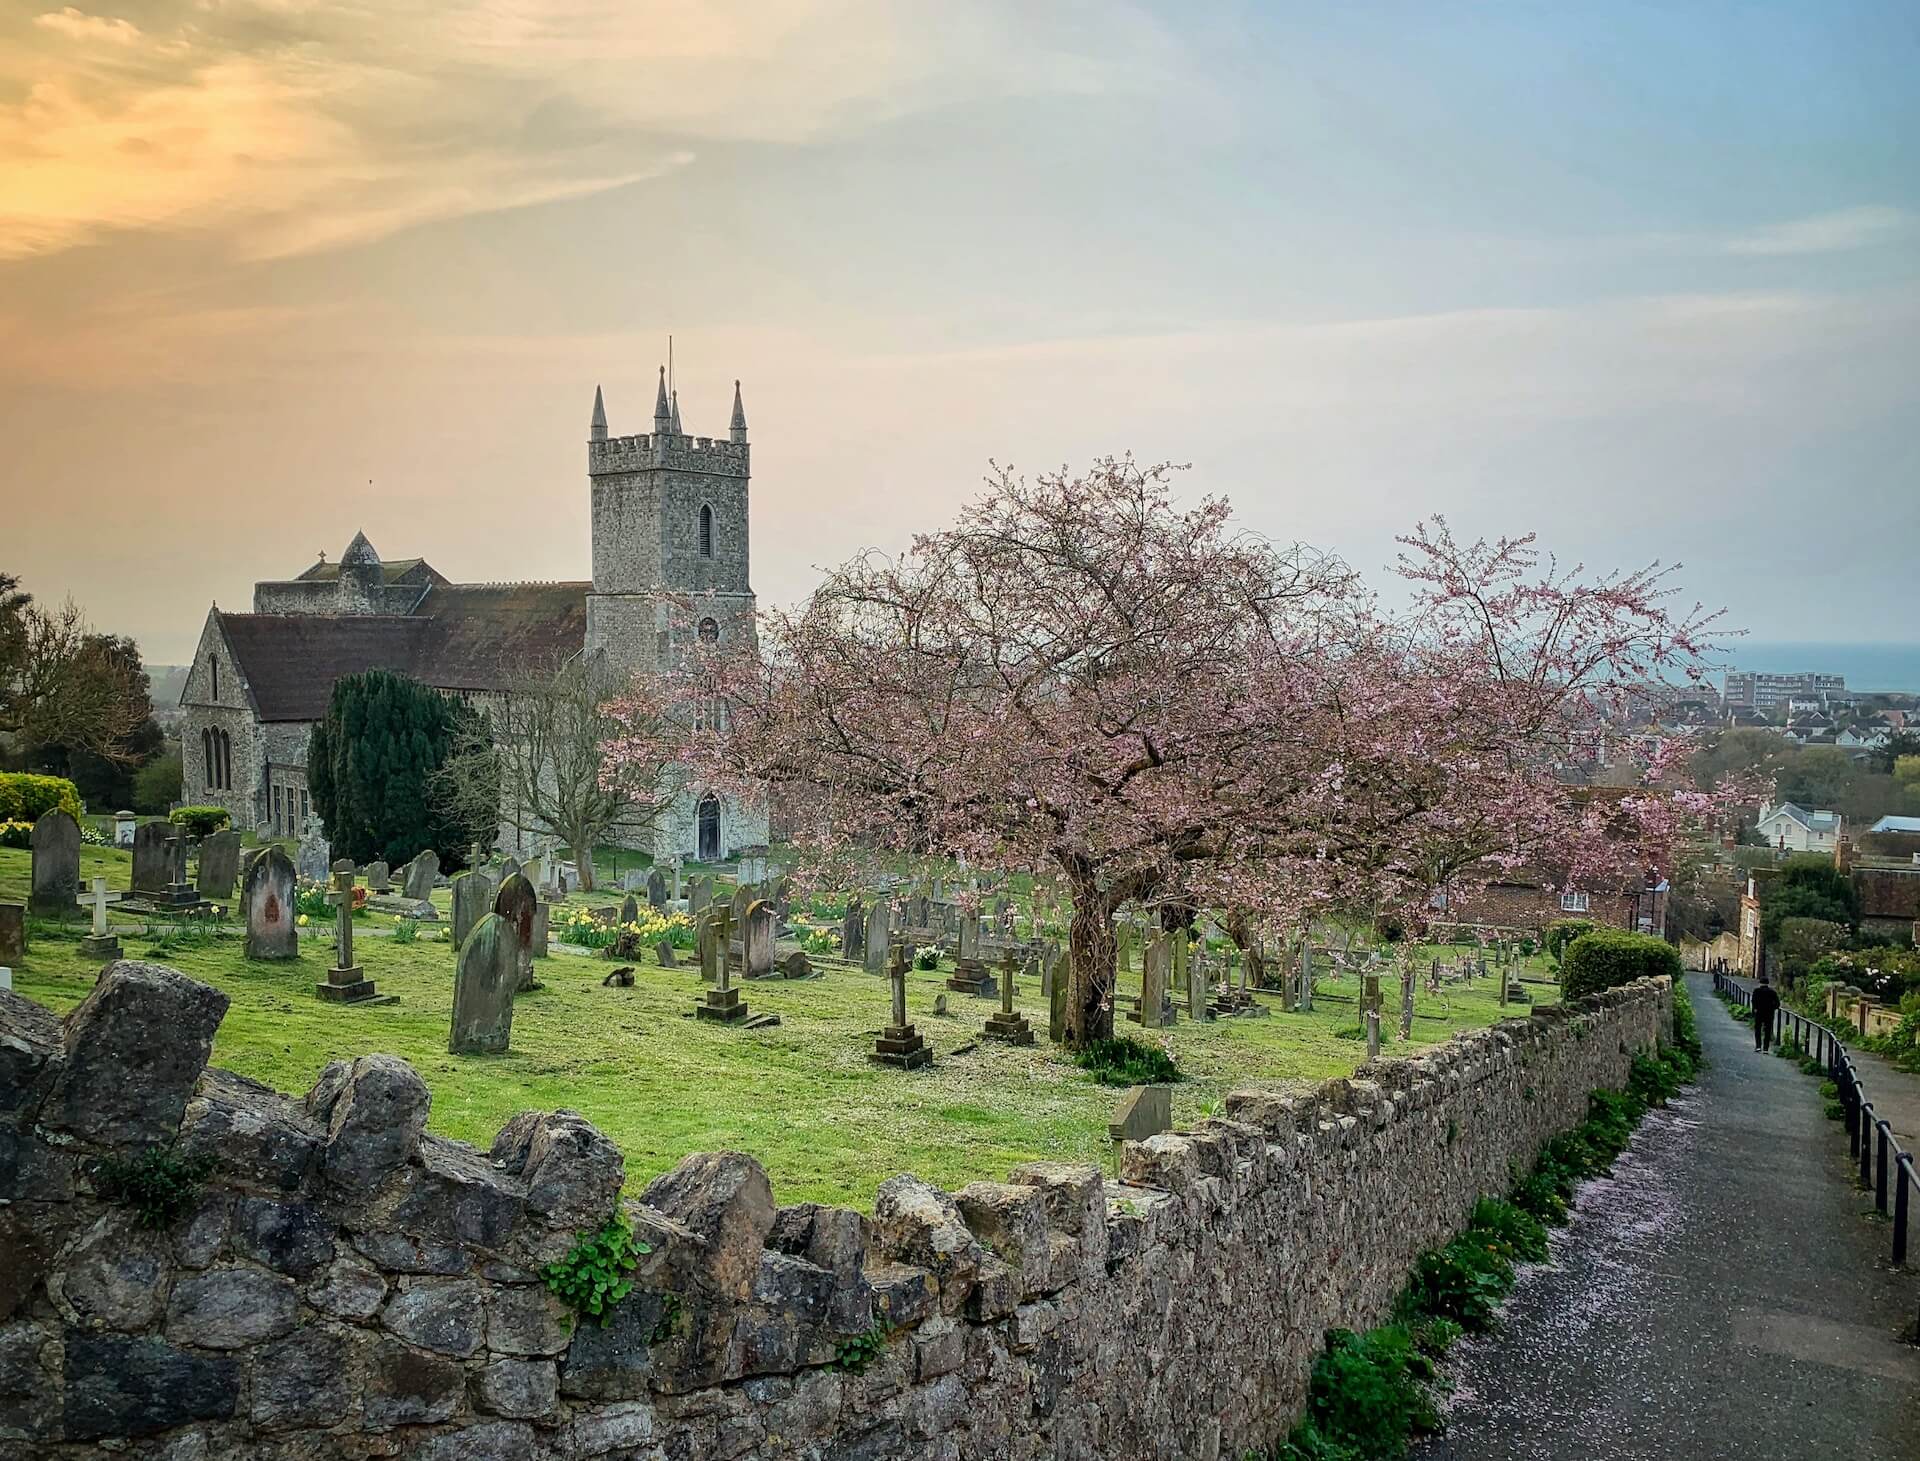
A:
x: 670, y: 523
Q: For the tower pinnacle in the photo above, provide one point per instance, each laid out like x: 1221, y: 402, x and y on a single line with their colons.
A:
x: 662, y: 408
x: 737, y: 428
x: 676, y: 415
x: 597, y: 429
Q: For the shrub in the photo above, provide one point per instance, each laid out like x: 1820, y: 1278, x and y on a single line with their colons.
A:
x: 25, y: 797
x: 1369, y: 1393
x: 1606, y: 958
x: 1124, y: 1061
x: 1464, y: 1281
x: 158, y: 1183
x: 16, y: 834
x: 200, y: 821
x: 596, y: 1273
x: 1563, y: 931
x: 158, y: 782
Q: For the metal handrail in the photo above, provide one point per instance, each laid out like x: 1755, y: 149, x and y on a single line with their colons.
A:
x: 1870, y: 1139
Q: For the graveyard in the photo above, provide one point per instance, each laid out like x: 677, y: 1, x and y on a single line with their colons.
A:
x: 803, y: 1096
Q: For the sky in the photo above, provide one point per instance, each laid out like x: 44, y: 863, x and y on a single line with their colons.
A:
x: 1643, y: 278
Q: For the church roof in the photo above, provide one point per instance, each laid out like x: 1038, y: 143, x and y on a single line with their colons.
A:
x: 394, y: 570
x: 463, y: 636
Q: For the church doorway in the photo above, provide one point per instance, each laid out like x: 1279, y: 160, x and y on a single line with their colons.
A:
x: 709, y: 848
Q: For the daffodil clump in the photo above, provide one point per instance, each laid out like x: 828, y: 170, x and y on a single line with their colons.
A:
x: 579, y: 926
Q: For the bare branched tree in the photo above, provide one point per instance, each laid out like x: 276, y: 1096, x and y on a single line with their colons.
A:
x: 547, y: 759
x: 63, y: 684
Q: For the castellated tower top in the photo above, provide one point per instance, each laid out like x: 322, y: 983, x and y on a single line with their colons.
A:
x: 667, y: 445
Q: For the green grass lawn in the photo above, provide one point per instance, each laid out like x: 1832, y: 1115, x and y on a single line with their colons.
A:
x: 803, y: 1098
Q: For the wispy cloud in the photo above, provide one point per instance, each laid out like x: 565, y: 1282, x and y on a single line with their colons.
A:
x: 1841, y: 231
x: 282, y: 126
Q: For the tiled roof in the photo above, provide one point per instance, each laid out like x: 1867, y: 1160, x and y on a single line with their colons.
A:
x: 465, y: 636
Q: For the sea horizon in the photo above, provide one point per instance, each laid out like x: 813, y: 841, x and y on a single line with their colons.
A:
x: 1869, y: 668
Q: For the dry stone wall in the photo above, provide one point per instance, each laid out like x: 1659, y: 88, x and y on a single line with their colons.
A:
x: 344, y: 1285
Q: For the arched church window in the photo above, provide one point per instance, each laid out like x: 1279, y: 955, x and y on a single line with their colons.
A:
x: 207, y: 759
x: 226, y: 760
x: 706, y: 531
x: 709, y: 631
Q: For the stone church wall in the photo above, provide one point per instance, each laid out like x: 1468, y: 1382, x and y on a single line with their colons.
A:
x: 346, y: 1286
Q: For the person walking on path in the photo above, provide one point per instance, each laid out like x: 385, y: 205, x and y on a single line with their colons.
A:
x: 1766, y: 1004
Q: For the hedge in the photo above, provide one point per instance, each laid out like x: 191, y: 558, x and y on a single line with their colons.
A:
x: 25, y: 797
x: 200, y: 821
x: 1608, y: 957
x: 1563, y: 931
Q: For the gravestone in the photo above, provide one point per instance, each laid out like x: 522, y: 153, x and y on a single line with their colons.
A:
x: 629, y: 909
x: 1155, y: 969
x: 1197, y: 1008
x: 219, y: 864
x: 753, y: 866
x: 100, y: 944
x: 1005, y: 1024
x: 633, y: 880
x: 483, y: 982
x: 541, y: 918
x: 153, y: 860
x: 1406, y: 1002
x: 518, y: 905
x: 853, y: 930
x: 314, y: 858
x: 422, y: 873
x: 13, y: 933
x: 123, y: 825
x: 56, y: 866
x: 796, y: 965
x: 756, y: 940
x: 267, y: 894
x: 663, y: 951
x: 1146, y: 1111
x: 346, y: 981
x: 341, y: 867
x: 509, y: 868
x: 738, y: 905
x: 708, y: 948
x: 657, y: 888
x: 379, y: 877
x: 970, y: 976
x: 879, y: 935
x: 899, y: 1044
x: 534, y: 869
x: 472, y: 898
x: 1058, y: 984
x: 700, y: 897
x: 721, y: 1004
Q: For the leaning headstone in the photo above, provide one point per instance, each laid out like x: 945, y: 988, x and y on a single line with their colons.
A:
x: 13, y: 933
x: 100, y: 944
x: 657, y: 888
x: 756, y: 939
x: 879, y: 935
x: 422, y: 873
x: 663, y: 951
x: 1146, y: 1111
x: 738, y: 905
x: 56, y: 866
x: 853, y: 929
x: 219, y: 864
x: 519, y: 905
x: 379, y: 877
x: 797, y: 965
x: 341, y: 867
x: 472, y: 898
x: 483, y: 982
x: 700, y: 896
x: 267, y: 895
x: 346, y: 981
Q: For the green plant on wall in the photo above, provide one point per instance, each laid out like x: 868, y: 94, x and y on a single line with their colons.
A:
x: 597, y: 1272
x: 158, y: 1184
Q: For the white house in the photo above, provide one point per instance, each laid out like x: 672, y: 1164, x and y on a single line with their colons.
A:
x: 1799, y: 830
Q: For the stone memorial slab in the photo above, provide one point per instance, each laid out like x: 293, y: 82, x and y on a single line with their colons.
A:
x: 1057, y: 989
x: 123, y: 825
x: 518, y: 906
x: 13, y: 933
x: 56, y: 866
x: 879, y: 935
x: 422, y: 873
x: 472, y: 899
x: 483, y: 983
x: 757, y: 939
x: 1155, y: 971
x: 379, y: 878
x: 153, y: 860
x: 700, y: 896
x: 541, y: 926
x: 219, y: 865
x: 313, y: 859
x: 268, y: 897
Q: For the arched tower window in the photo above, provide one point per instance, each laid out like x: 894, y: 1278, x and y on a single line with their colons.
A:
x: 709, y: 631
x: 706, y: 531
x: 207, y: 760
x: 213, y: 664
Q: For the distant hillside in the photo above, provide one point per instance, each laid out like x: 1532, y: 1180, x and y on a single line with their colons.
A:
x: 168, y: 681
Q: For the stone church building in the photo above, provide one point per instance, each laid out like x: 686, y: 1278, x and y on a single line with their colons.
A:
x: 669, y: 515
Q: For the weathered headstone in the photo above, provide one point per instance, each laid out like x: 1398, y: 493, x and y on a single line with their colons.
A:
x: 879, y: 935
x: 969, y: 975
x: 663, y: 951
x: 518, y: 905
x: 313, y: 860
x: 629, y: 910
x: 756, y: 939
x: 541, y: 926
x: 422, y: 873
x: 379, y: 877
x: 56, y: 866
x: 1406, y: 1002
x: 123, y: 825
x: 472, y: 898
x: 153, y: 860
x: 1058, y: 985
x: 13, y: 933
x: 700, y: 896
x: 708, y: 948
x: 853, y: 929
x: 657, y: 888
x: 1155, y: 969
x: 99, y: 944
x: 722, y: 1003
x: 483, y: 983
x: 268, y: 897
x: 737, y: 906
x: 1146, y: 1111
x: 796, y: 965
x: 1197, y: 1008
x: 753, y: 866
x: 899, y: 1044
x: 1006, y: 1024
x: 346, y: 981
x: 509, y: 868
x: 219, y: 864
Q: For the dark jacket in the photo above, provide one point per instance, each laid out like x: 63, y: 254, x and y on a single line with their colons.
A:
x: 1766, y: 1000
